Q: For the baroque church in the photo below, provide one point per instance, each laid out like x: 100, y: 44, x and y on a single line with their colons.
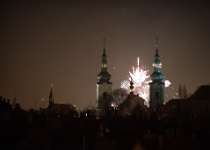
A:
x: 103, y: 85
x: 133, y: 102
x: 157, y: 86
x: 56, y: 108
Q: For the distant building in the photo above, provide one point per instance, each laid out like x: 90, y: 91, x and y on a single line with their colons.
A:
x: 5, y: 104
x: 12, y: 121
x: 157, y: 85
x: 194, y: 107
x: 55, y: 108
x: 103, y: 85
x: 58, y: 113
x: 191, y: 116
x: 51, y: 97
x: 133, y: 105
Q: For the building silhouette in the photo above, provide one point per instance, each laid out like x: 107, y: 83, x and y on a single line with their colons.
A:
x: 133, y: 106
x: 56, y: 109
x: 157, y: 85
x: 103, y: 85
x: 51, y: 98
x: 179, y: 124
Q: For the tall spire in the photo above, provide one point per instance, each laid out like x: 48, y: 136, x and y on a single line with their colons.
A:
x: 156, y: 47
x: 157, y: 75
x: 156, y: 43
x: 51, y: 98
x: 157, y: 85
x: 104, y: 76
x: 103, y: 85
x: 104, y: 53
x: 104, y: 43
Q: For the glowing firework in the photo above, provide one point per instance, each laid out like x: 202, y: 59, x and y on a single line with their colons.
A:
x: 140, y: 79
x: 167, y: 83
x: 125, y: 84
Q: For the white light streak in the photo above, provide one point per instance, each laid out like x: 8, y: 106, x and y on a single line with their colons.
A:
x: 167, y: 83
x: 140, y: 79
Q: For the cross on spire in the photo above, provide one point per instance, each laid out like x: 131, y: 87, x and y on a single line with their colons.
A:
x: 156, y: 43
x: 104, y: 43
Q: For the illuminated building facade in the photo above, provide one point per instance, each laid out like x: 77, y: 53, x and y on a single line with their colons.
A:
x: 157, y: 85
x: 103, y: 85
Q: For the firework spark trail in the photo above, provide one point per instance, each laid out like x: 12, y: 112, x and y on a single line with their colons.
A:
x: 141, y: 79
x: 167, y: 83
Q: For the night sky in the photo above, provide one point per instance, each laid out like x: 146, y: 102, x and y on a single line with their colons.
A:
x: 62, y: 43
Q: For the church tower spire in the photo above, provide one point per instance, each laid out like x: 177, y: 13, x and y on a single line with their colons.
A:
x: 156, y: 86
x: 103, y: 85
x: 51, y: 98
x: 104, y: 76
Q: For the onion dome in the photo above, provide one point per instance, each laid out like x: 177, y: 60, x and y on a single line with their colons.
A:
x: 157, y: 75
x: 104, y: 76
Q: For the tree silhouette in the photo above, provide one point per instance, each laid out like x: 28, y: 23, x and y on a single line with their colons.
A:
x: 119, y: 95
x: 104, y: 103
x: 182, y: 91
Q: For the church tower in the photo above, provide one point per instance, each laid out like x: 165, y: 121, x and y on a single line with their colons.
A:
x: 157, y: 85
x: 103, y: 85
x: 51, y: 98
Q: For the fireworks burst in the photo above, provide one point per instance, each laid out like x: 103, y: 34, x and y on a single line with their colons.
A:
x: 167, y: 83
x: 141, y: 79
